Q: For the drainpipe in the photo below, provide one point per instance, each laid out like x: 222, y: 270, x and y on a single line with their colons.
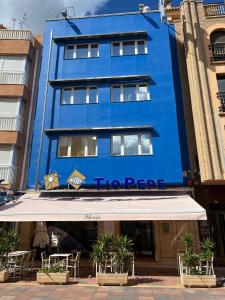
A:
x: 44, y: 111
x: 25, y: 156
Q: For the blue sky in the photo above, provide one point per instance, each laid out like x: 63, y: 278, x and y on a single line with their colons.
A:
x: 132, y: 5
x: 33, y: 13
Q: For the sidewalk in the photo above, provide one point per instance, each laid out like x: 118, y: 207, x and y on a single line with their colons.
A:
x: 33, y: 291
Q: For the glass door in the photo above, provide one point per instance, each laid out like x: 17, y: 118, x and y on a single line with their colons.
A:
x: 142, y: 234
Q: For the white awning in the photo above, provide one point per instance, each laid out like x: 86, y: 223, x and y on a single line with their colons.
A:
x: 36, y: 207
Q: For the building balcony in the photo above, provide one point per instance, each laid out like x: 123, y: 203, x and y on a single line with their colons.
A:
x: 212, y: 10
x: 8, y: 173
x: 218, y: 52
x: 11, y: 123
x: 13, y: 77
x: 6, y: 34
x: 221, y: 97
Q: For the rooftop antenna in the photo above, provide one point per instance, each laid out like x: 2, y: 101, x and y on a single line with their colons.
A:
x: 14, y: 22
x: 66, y: 12
x: 22, y: 22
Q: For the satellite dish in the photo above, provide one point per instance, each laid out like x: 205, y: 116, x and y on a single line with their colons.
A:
x: 146, y: 9
x: 67, y: 12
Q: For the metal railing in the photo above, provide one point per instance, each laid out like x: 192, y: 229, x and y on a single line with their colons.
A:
x: 8, y: 173
x: 11, y: 123
x: 218, y: 52
x: 7, y: 34
x: 13, y: 77
x: 215, y: 9
x: 221, y: 97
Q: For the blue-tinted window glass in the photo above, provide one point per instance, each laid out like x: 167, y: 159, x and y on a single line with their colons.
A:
x: 143, y: 92
x: 130, y: 144
x: 129, y: 93
x: 80, y: 95
x: 115, y: 94
x: 94, y: 50
x: 116, y: 49
x: 67, y: 96
x: 129, y: 48
x: 69, y: 52
x: 141, y: 47
x: 82, y: 51
x: 145, y: 143
x: 116, y: 145
x: 92, y: 95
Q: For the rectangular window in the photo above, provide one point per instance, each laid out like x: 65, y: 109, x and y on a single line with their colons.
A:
x: 77, y: 146
x: 80, y: 95
x: 130, y: 92
x: 81, y: 51
x: 131, y: 144
x: 134, y: 47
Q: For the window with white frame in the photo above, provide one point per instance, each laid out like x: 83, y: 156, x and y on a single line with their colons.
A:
x: 130, y: 92
x: 82, y: 51
x: 131, y: 144
x: 134, y: 47
x: 80, y: 95
x: 77, y: 146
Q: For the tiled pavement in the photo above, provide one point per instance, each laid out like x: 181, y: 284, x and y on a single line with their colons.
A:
x: 34, y: 291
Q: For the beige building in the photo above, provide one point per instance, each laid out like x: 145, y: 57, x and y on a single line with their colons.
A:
x: 20, y: 56
x: 200, y: 32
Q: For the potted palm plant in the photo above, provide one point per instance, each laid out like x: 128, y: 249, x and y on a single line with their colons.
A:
x: 8, y: 241
x: 55, y: 273
x: 110, y: 256
x: 196, y: 269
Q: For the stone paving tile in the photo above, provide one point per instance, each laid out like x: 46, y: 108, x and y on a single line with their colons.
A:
x: 7, y: 297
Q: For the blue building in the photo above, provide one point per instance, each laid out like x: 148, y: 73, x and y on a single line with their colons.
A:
x: 109, y: 101
x: 110, y: 107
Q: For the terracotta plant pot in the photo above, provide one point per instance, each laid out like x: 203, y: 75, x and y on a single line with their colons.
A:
x: 112, y: 278
x: 54, y: 278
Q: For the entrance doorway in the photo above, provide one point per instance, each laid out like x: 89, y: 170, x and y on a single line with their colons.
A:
x: 79, y: 236
x: 142, y: 234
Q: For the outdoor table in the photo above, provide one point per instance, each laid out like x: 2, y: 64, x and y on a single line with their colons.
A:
x: 17, y: 253
x: 60, y: 255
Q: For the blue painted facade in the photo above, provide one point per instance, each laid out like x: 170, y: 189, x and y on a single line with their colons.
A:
x: 164, y: 112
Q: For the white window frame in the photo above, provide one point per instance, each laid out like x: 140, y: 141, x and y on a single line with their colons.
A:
x: 139, y: 144
x: 75, y: 50
x: 135, y: 47
x: 72, y: 96
x: 70, y: 146
x: 137, y: 93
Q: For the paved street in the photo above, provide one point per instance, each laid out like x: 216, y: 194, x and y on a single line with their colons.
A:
x: 11, y: 291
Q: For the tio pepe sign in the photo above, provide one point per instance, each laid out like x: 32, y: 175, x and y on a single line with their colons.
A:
x: 129, y: 182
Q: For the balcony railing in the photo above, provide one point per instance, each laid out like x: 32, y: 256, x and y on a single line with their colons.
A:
x: 11, y: 123
x: 6, y: 34
x: 13, y: 77
x: 218, y: 52
x: 8, y: 173
x: 221, y: 97
x: 215, y: 9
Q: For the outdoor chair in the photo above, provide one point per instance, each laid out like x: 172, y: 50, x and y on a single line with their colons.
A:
x: 16, y: 266
x: 44, y: 260
x: 181, y: 268
x: 31, y: 260
x: 25, y: 263
x: 74, y: 264
x: 207, y: 266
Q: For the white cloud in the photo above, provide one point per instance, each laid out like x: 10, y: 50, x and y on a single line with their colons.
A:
x: 38, y: 11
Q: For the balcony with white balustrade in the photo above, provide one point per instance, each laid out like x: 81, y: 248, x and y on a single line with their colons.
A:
x: 8, y: 173
x: 8, y: 34
x: 13, y: 77
x: 11, y: 123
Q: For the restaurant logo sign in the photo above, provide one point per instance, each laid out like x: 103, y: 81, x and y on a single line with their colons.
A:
x: 76, y: 179
x: 51, y: 181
